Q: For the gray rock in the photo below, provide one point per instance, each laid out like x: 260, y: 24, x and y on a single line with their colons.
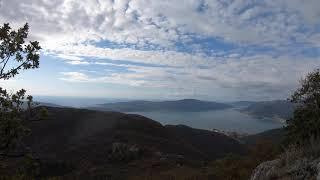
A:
x: 123, y: 152
x: 299, y: 169
x: 265, y: 170
x: 318, y: 170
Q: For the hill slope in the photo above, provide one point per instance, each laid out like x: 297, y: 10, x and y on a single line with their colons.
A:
x: 86, y: 139
x: 274, y: 135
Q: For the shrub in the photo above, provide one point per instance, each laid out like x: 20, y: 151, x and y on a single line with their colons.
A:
x: 304, y: 128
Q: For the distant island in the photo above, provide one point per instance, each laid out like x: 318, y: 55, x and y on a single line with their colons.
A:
x: 191, y: 105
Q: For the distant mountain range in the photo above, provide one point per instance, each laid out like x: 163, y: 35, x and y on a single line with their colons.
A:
x: 242, y: 104
x: 37, y: 104
x: 273, y: 109
x: 47, y: 104
x: 280, y: 109
x: 191, y: 105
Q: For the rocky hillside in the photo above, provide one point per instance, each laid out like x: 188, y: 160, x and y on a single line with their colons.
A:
x: 294, y: 163
x: 299, y: 169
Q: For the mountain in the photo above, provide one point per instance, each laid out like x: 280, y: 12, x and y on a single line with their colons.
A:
x: 47, y: 104
x: 278, y: 109
x: 37, y: 104
x: 179, y: 105
x: 242, y: 104
x: 81, y: 141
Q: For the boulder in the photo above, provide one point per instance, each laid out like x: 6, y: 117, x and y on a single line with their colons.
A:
x: 300, y: 169
x: 265, y: 170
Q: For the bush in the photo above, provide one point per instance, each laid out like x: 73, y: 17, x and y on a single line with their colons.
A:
x: 235, y: 167
x: 304, y: 128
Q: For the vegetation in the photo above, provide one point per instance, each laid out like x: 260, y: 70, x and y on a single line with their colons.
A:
x: 301, y: 156
x: 304, y: 128
x: 235, y: 167
x: 15, y: 56
x: 231, y: 167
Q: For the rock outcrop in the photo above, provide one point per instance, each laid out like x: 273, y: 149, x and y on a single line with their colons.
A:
x: 300, y: 169
x: 265, y: 170
x: 122, y: 152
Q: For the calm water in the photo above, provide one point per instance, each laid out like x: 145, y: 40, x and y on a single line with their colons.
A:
x: 228, y: 120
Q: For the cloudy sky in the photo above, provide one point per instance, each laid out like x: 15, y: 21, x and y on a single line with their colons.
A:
x: 206, y: 49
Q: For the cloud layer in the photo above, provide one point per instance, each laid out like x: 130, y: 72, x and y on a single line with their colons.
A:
x: 244, y: 49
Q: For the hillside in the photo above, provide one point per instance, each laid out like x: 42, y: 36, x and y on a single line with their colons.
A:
x: 276, y: 136
x: 278, y: 109
x: 190, y: 105
x: 71, y: 141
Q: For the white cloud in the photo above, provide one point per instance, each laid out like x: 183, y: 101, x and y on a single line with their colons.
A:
x: 250, y: 77
x: 146, y: 31
x: 126, y: 79
x: 69, y: 58
x: 162, y: 22
x: 78, y: 62
x: 172, y: 58
x: 75, y: 77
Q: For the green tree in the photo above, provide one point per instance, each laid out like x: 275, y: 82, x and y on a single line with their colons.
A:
x: 15, y: 55
x: 304, y: 127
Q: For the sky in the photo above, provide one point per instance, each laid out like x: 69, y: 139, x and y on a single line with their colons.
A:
x: 222, y: 50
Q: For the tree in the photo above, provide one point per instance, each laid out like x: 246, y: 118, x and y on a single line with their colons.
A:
x: 15, y: 55
x: 304, y: 127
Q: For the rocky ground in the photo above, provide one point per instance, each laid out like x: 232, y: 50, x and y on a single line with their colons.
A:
x: 298, y: 169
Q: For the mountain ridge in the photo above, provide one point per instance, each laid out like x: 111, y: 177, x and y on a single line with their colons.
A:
x: 192, y: 105
x: 273, y: 109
